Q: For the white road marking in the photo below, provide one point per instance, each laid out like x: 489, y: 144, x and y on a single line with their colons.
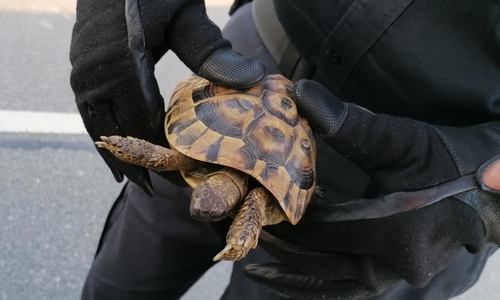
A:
x: 41, y: 122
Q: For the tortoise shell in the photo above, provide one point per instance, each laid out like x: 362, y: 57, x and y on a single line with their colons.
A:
x: 257, y: 131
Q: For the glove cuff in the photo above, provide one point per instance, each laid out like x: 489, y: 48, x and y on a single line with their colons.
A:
x: 485, y: 199
x: 488, y: 208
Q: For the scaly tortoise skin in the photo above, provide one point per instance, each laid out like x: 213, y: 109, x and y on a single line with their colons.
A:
x: 219, y: 137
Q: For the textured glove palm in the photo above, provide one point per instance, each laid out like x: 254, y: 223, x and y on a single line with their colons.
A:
x: 439, y: 192
x: 114, y: 47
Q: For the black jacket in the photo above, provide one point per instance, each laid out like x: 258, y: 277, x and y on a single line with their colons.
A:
x: 435, y: 61
x: 432, y: 61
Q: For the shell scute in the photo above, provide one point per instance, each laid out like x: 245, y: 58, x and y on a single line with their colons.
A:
x: 281, y: 107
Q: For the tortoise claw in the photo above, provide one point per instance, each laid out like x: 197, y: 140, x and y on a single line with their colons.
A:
x: 105, y: 138
x: 100, y: 144
x: 106, y: 142
x: 224, y: 253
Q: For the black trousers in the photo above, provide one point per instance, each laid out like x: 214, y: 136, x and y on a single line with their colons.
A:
x: 151, y: 248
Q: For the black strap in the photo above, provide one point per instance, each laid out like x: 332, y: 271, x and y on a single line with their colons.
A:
x: 389, y: 205
x: 295, y: 67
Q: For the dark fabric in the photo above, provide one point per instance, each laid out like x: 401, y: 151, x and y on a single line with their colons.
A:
x: 151, y: 248
x: 393, y: 150
x: 413, y: 246
x: 464, y: 268
x: 463, y: 272
x: 103, y: 80
x: 114, y: 47
x: 240, y: 287
x: 191, y: 35
x: 400, y: 154
x: 437, y: 62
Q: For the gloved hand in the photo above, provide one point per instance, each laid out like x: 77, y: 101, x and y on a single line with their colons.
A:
x: 114, y: 47
x: 439, y: 192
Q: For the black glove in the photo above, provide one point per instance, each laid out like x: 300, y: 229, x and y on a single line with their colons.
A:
x: 439, y: 192
x: 114, y: 47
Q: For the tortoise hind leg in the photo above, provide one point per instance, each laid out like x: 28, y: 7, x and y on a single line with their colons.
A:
x: 145, y: 154
x: 258, y: 209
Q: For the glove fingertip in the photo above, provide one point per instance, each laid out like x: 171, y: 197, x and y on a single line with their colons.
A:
x: 143, y: 180
x: 117, y: 174
x: 303, y: 85
x: 139, y: 176
x: 324, y: 111
x: 230, y: 69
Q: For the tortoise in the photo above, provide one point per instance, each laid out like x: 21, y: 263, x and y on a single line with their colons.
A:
x: 226, y: 142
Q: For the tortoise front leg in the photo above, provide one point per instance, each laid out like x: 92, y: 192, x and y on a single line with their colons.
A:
x: 218, y: 193
x: 145, y: 154
x: 259, y: 208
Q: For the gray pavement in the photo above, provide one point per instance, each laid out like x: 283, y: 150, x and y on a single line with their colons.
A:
x: 55, y: 191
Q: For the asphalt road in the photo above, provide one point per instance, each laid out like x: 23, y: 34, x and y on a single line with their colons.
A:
x: 55, y: 191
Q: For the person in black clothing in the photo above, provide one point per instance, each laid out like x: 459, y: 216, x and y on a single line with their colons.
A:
x: 404, y: 98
